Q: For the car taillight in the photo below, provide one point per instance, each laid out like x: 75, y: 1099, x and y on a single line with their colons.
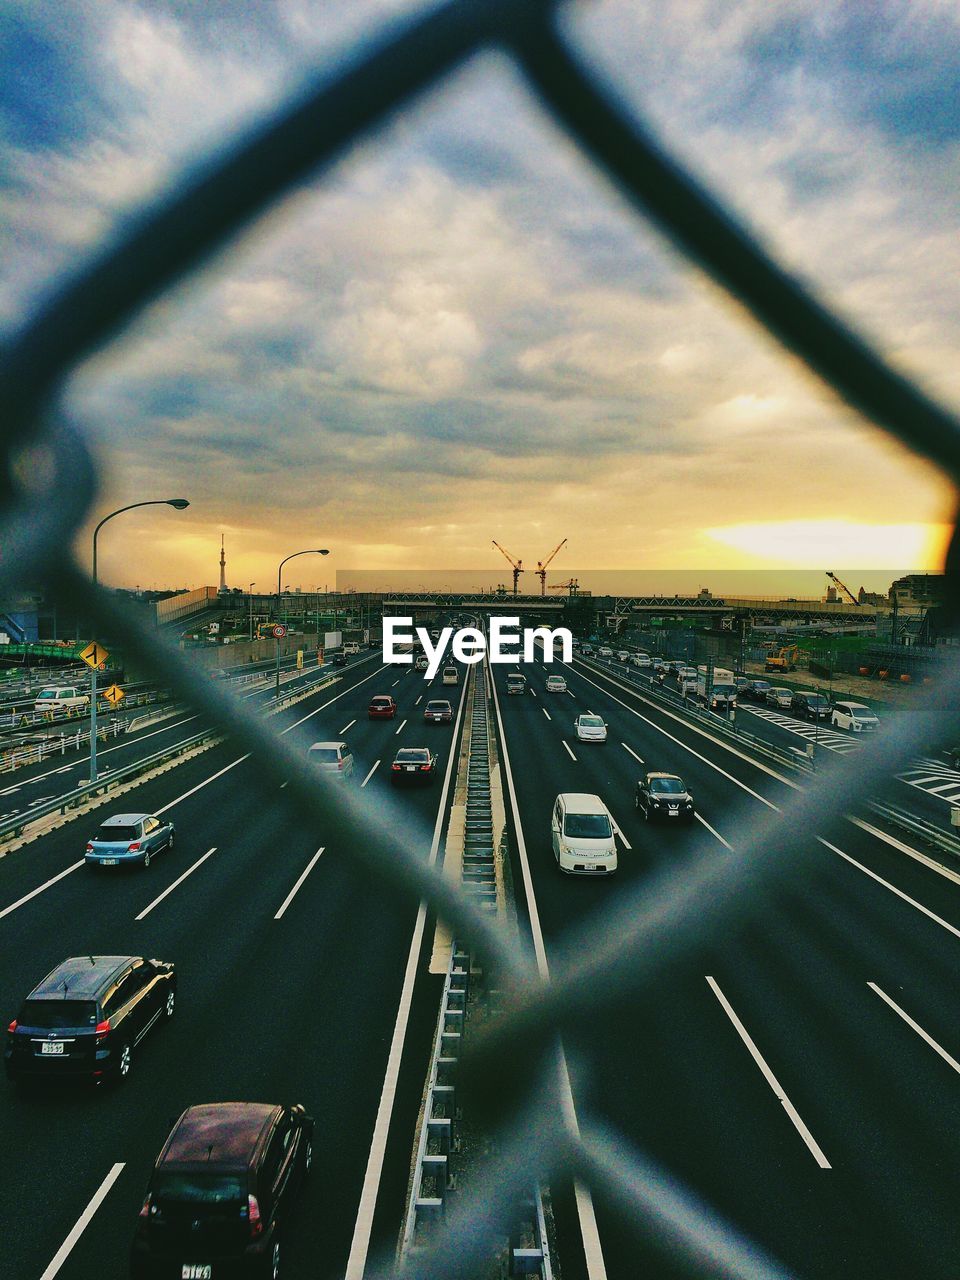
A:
x: 424, y: 766
x: 102, y: 1029
x: 145, y: 1207
x: 89, y: 848
x: 12, y: 1027
x: 253, y: 1214
x: 341, y: 763
x: 395, y: 766
x: 134, y: 848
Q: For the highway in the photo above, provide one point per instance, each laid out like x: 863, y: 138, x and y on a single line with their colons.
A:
x: 801, y: 1073
x: 291, y: 971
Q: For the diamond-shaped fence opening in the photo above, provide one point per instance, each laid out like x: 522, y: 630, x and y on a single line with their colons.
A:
x: 48, y: 482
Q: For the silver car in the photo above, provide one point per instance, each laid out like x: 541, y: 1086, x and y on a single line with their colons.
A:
x: 780, y: 698
x: 333, y: 759
x: 590, y: 728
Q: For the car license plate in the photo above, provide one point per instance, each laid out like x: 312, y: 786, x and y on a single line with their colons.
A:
x: 196, y: 1271
x: 108, y: 862
x: 673, y: 813
x: 410, y: 768
x: 52, y: 1047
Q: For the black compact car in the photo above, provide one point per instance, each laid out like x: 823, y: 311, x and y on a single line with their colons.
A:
x: 437, y: 711
x: 339, y: 660
x: 413, y: 765
x: 87, y: 1017
x: 221, y: 1191
x: 810, y: 705
x: 756, y: 690
x: 664, y: 795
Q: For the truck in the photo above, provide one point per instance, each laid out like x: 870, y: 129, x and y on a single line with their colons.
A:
x: 716, y: 688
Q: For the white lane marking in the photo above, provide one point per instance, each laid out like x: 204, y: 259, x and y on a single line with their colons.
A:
x: 770, y: 1078
x: 348, y: 726
x: 330, y: 701
x: 205, y: 783
x: 928, y: 1039
x: 303, y: 875
x: 632, y: 752
x: 283, y: 784
x: 370, y: 774
x: 700, y: 818
x: 533, y: 691
x: 729, y: 776
x: 60, y: 1257
x: 9, y: 791
x: 616, y: 828
x: 930, y: 863
x: 418, y: 701
x: 893, y: 888
x: 179, y: 880
x: 360, y: 1244
x: 568, y: 751
x: 40, y: 888
x: 593, y: 1252
x: 546, y: 713
x: 402, y: 723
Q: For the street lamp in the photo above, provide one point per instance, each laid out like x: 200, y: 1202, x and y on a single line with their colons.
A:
x: 250, y: 593
x: 310, y: 551
x: 179, y: 504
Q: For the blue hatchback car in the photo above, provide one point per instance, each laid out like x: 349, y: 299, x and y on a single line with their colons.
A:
x: 129, y: 837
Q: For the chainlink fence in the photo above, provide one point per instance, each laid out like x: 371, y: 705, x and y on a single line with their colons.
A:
x: 48, y: 482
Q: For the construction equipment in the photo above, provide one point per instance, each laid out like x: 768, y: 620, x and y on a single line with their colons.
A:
x: 571, y: 586
x: 843, y: 587
x: 784, y: 659
x: 517, y: 564
x: 541, y: 569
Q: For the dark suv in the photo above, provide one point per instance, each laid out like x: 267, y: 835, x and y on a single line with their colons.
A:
x: 810, y: 705
x: 664, y: 795
x: 221, y: 1191
x: 87, y: 1017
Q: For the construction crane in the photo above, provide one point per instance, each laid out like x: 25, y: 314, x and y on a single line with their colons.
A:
x: 541, y: 569
x: 843, y: 587
x: 517, y: 564
x: 571, y: 586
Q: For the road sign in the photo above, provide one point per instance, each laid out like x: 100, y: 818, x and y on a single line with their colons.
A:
x: 94, y: 655
x: 114, y: 694
x: 299, y: 659
x: 279, y: 631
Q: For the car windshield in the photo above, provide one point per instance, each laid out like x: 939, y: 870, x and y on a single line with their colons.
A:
x: 117, y: 834
x: 413, y: 755
x: 667, y: 786
x: 587, y: 826
x: 591, y: 722
x: 47, y: 693
x: 862, y: 713
x: 53, y: 1015
x: 324, y: 755
x: 516, y: 680
x: 199, y: 1188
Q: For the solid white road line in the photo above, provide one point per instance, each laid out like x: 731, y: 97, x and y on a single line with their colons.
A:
x: 593, y: 1252
x: 179, y: 880
x: 60, y: 1257
x: 40, y: 888
x: 616, y: 828
x: 360, y: 1244
x: 917, y: 856
x: 639, y: 759
x: 928, y: 1039
x: 770, y: 1078
x: 370, y: 774
x: 290, y: 896
x: 701, y: 819
x: 893, y: 888
x: 546, y: 713
x: 568, y: 751
x: 402, y: 723
x: 348, y: 726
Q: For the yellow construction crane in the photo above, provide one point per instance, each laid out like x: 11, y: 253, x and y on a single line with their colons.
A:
x: 571, y: 586
x: 843, y: 586
x: 541, y: 569
x: 517, y: 564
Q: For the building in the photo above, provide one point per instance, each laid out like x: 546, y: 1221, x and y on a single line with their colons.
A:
x: 924, y: 590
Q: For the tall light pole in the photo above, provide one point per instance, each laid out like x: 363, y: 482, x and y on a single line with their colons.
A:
x: 250, y: 593
x: 179, y: 504
x: 310, y: 551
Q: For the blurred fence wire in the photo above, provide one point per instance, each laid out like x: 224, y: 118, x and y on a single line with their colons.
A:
x: 48, y: 482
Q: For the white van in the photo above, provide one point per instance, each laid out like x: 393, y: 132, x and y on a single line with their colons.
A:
x: 66, y: 698
x: 516, y: 683
x: 450, y: 675
x: 853, y: 715
x: 582, y: 832
x: 351, y: 647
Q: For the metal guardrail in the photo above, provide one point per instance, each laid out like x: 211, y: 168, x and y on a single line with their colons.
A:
x: 18, y: 757
x: 933, y: 835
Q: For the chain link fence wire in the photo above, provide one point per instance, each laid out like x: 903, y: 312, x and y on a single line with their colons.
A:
x: 48, y: 484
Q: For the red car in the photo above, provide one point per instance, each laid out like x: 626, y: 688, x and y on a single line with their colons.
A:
x: 382, y: 707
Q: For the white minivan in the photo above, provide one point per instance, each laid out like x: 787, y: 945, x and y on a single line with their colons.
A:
x: 853, y: 715
x: 450, y: 675
x: 62, y: 699
x: 351, y: 647
x: 582, y: 831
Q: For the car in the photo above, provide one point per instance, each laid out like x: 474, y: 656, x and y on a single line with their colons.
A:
x: 854, y: 716
x: 685, y: 673
x: 87, y: 1017
x: 582, y: 835
x: 413, y: 764
x: 435, y: 633
x: 777, y: 697
x: 352, y: 648
x: 221, y: 1191
x: 757, y: 690
x: 556, y: 684
x: 61, y: 699
x: 659, y: 664
x: 622, y: 655
x: 450, y: 675
x: 382, y: 707
x: 516, y: 683
x: 339, y: 659
x: 664, y: 795
x: 586, y: 650
x: 810, y: 704
x: 437, y: 711
x: 742, y: 683
x: 590, y: 728
x: 604, y: 652
x: 129, y: 837
x: 334, y: 760
x: 642, y: 660
x: 421, y: 662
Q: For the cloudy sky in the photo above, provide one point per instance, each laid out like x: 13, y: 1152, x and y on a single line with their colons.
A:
x: 461, y: 334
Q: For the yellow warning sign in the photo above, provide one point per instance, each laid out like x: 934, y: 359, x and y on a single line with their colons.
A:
x: 114, y: 694
x: 94, y: 655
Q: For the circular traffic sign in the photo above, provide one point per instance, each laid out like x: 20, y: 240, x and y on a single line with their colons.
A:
x: 279, y: 631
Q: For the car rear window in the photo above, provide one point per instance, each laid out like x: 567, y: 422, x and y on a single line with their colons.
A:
x: 413, y: 755
x: 53, y: 1015
x: 438, y: 706
x: 325, y: 755
x: 199, y: 1188
x: 118, y: 835
x: 381, y: 702
x: 587, y: 826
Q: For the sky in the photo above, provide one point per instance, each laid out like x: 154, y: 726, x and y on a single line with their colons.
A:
x: 461, y: 333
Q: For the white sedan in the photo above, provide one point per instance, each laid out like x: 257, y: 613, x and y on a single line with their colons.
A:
x: 556, y: 684
x: 590, y: 728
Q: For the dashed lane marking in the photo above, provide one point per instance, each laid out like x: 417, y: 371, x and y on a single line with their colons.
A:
x: 568, y: 751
